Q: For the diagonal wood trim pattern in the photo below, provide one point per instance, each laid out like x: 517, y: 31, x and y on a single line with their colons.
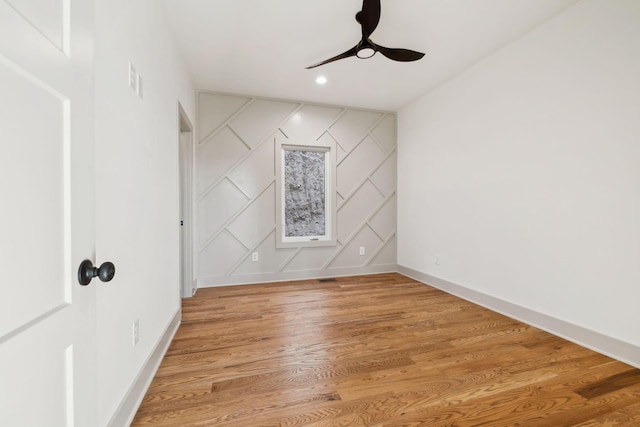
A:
x: 379, y: 350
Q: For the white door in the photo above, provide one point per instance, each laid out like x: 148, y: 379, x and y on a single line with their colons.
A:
x: 47, y: 320
x: 185, y: 153
x: 185, y: 171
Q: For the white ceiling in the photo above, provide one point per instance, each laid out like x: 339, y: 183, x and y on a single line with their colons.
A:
x: 261, y: 47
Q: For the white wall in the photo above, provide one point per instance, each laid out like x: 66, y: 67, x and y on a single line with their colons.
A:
x: 236, y: 198
x: 136, y: 189
x: 522, y: 173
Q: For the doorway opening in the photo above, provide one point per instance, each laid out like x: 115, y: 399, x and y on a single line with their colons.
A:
x: 185, y: 188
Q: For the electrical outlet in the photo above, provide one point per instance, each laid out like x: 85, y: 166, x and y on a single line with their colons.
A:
x: 361, y: 250
x: 136, y: 331
x: 255, y: 256
x: 437, y: 259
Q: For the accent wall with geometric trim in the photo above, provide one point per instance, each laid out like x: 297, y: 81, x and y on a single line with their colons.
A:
x: 235, y: 193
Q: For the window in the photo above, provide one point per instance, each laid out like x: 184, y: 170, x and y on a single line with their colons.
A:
x: 305, y: 196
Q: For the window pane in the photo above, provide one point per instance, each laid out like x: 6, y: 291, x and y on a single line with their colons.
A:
x: 304, y: 193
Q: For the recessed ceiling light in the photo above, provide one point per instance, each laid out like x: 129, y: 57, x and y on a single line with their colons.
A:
x: 321, y: 80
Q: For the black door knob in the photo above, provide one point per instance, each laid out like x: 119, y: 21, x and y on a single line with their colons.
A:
x: 87, y: 271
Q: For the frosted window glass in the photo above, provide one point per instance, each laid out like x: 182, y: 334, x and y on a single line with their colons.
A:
x: 304, y: 193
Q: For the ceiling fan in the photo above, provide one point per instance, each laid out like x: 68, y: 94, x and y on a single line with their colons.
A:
x: 368, y: 19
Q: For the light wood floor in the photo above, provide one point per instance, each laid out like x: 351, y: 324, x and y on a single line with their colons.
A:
x: 378, y: 350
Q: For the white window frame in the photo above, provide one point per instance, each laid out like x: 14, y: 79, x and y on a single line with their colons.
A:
x: 329, y: 239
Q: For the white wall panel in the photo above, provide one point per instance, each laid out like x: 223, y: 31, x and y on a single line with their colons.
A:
x: 384, y: 221
x: 385, y: 133
x: 217, y: 207
x: 384, y: 176
x: 217, y: 258
x: 387, y: 253
x: 341, y: 153
x: 310, y: 122
x: 215, y: 109
x: 353, y: 126
x: 270, y: 258
x: 219, y: 153
x: 257, y: 220
x: 260, y: 119
x: 237, y: 216
x: 358, y: 165
x: 310, y: 259
x: 354, y: 212
x: 258, y: 169
x: 350, y: 255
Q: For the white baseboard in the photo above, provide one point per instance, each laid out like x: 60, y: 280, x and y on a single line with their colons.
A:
x: 612, y: 347
x: 210, y: 282
x: 129, y: 405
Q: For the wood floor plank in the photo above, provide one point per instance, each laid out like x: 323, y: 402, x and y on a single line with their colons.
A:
x: 379, y: 350
x: 611, y: 383
x: 625, y: 417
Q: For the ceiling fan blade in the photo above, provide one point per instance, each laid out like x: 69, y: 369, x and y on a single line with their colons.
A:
x: 347, y: 54
x: 403, y: 55
x: 369, y: 17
